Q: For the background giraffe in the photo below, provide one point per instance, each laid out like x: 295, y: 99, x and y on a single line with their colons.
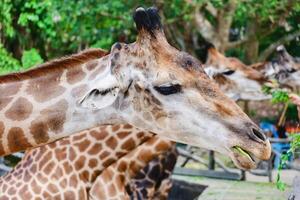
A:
x: 238, y: 80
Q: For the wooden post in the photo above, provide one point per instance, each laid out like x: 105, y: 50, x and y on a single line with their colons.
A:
x: 243, y: 175
x: 211, y: 163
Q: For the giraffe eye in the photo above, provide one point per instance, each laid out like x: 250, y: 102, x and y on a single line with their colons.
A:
x: 229, y: 72
x: 167, y: 90
x: 292, y: 70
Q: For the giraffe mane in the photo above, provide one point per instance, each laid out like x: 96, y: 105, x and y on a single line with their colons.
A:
x: 55, y: 65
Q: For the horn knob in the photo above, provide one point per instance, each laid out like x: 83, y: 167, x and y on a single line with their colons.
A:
x: 147, y: 19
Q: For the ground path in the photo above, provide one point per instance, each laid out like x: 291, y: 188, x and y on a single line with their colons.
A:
x: 242, y: 190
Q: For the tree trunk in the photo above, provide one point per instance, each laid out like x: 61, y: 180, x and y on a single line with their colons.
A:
x: 285, y: 39
x: 252, y: 44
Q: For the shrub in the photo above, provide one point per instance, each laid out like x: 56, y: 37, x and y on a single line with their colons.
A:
x: 31, y: 58
x: 7, y: 62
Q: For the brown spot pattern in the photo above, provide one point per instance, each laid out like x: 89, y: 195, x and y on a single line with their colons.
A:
x: 4, y: 101
x: 91, y: 65
x: 56, y: 115
x: 82, y: 146
x: 129, y: 144
x: 114, y: 128
x: 39, y: 131
x: 2, y: 152
x: 10, y: 89
x: 99, y: 135
x: 75, y: 75
x: 123, y: 134
x: 17, y: 140
x: 51, y: 119
x: 95, y: 149
x: 97, y: 72
x: 19, y: 110
x: 79, y: 163
x: 46, y: 88
x: 79, y: 91
x: 127, y: 126
x: 223, y: 110
x: 112, y: 142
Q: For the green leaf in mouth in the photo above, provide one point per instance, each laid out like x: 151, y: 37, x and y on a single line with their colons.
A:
x: 242, y: 152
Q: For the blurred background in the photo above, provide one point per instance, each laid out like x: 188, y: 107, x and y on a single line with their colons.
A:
x: 35, y: 31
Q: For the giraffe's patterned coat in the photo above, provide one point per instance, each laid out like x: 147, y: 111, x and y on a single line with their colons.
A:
x: 67, y: 168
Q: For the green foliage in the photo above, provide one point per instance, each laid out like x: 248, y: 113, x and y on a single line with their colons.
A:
x: 262, y: 10
x: 280, y: 96
x: 6, y: 18
x: 31, y: 58
x: 37, y: 14
x: 7, y: 62
x: 295, y: 145
x: 56, y: 27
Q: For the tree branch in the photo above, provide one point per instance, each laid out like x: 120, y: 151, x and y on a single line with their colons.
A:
x: 285, y: 39
x: 211, y: 9
x: 204, y: 27
x: 224, y: 21
x: 235, y: 44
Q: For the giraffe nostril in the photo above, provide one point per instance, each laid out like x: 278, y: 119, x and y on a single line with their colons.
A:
x: 258, y: 135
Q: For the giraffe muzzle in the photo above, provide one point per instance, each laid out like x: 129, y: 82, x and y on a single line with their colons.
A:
x: 251, y: 150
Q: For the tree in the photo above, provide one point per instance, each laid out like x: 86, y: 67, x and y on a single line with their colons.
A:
x: 248, y: 29
x: 230, y: 24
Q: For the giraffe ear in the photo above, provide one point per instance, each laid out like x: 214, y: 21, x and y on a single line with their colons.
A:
x: 101, y: 97
x: 211, y: 72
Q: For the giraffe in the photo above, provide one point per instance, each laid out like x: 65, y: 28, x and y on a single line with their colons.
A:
x: 154, y: 180
x: 242, y: 82
x: 141, y: 186
x: 125, y: 171
x: 283, y: 68
x: 77, y: 161
x: 148, y: 84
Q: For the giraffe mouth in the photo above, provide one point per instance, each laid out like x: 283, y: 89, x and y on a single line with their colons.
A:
x: 243, y: 159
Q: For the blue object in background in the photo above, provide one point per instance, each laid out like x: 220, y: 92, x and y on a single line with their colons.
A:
x: 278, y: 148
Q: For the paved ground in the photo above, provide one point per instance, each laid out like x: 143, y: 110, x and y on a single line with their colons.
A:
x: 287, y: 176
x: 256, y: 188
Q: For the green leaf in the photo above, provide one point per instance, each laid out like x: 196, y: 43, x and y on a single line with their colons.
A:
x: 7, y: 62
x: 31, y: 58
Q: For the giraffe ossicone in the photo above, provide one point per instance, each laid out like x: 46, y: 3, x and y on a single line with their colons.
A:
x: 152, y: 86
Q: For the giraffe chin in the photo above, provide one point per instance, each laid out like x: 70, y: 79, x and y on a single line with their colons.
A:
x: 243, y: 159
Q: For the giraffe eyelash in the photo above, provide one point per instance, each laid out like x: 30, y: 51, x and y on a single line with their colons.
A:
x: 168, y: 90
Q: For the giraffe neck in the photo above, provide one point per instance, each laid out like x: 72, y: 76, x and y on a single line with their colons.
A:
x: 40, y: 105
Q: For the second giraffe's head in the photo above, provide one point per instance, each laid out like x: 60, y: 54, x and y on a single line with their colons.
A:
x: 156, y: 87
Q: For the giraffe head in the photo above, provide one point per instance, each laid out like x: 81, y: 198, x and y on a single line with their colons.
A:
x: 284, y: 68
x: 234, y: 78
x: 153, y: 86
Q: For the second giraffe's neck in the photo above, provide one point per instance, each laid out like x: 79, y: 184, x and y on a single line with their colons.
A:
x: 40, y: 105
